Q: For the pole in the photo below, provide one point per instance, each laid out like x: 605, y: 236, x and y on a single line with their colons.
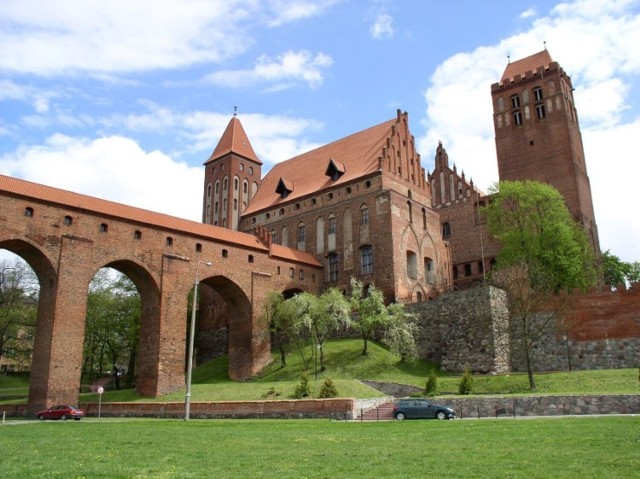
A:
x: 192, y: 333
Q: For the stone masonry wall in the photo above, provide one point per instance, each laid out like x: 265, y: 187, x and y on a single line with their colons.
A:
x: 465, y: 329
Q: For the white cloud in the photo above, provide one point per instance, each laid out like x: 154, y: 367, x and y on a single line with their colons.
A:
x: 71, y: 36
x: 603, y: 64
x: 284, y: 71
x: 382, y: 26
x: 531, y: 12
x: 113, y: 168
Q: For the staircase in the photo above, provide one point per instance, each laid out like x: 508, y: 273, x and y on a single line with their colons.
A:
x: 382, y: 412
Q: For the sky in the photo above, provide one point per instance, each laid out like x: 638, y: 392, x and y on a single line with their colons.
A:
x: 125, y: 100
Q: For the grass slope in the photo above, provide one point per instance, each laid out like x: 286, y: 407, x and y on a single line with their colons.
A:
x: 346, y: 366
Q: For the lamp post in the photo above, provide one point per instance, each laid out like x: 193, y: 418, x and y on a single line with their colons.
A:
x: 187, y: 396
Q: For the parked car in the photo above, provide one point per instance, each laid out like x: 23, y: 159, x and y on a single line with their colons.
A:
x: 421, y: 409
x: 61, y: 411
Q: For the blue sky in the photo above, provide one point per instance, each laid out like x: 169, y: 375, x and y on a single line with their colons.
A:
x: 125, y: 100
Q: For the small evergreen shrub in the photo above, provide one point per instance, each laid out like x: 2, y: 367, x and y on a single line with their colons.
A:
x: 302, y: 390
x: 466, y: 383
x: 431, y: 388
x: 328, y: 389
x: 271, y: 393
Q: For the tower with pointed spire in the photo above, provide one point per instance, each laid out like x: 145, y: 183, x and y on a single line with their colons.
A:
x: 232, y: 176
x: 538, y: 135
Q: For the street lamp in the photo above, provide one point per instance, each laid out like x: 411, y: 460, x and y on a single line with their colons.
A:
x: 187, y: 396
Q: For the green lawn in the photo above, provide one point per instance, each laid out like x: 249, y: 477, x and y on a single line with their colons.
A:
x: 346, y: 366
x: 590, y: 447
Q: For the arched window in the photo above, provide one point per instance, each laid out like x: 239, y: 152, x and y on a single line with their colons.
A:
x: 364, y: 215
x: 412, y: 265
x: 332, y: 224
x: 409, y: 208
x: 333, y: 267
x: 446, y: 230
x: 424, y: 218
x: 366, y: 260
x: 429, y: 270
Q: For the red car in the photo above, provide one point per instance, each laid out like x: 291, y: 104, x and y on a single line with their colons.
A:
x: 61, y: 412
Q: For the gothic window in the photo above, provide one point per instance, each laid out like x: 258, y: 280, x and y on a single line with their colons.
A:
x: 332, y: 224
x: 409, y: 208
x: 236, y: 183
x: 412, y: 265
x: 364, y: 215
x: 333, y: 267
x: 446, y: 230
x: 217, y: 188
x: 301, y: 232
x: 366, y: 260
x: 428, y: 270
x: 235, y: 205
x: 540, y: 111
x: 517, y: 118
x: 209, y: 190
x: 537, y: 93
x: 245, y: 187
x: 225, y: 184
x: 515, y: 101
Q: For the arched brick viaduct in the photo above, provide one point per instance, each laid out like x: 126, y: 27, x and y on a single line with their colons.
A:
x: 67, y: 237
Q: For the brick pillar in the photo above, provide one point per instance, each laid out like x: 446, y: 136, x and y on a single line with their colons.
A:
x: 59, y: 342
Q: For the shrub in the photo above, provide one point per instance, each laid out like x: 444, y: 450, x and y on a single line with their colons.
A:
x: 302, y: 390
x: 466, y: 383
x: 328, y: 389
x: 271, y: 393
x: 431, y: 388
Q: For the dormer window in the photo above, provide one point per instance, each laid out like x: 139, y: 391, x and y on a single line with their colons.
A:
x: 335, y: 169
x: 284, y: 188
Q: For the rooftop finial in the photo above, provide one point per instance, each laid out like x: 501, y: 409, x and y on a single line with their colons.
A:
x: 235, y: 111
x: 508, y: 58
x: 545, y: 45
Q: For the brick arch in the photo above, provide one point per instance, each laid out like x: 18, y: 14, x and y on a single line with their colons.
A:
x: 241, y: 327
x: 149, y: 291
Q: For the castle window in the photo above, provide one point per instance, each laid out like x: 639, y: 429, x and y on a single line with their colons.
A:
x: 236, y: 183
x: 366, y: 260
x: 537, y: 92
x: 28, y: 211
x: 235, y: 205
x: 301, y: 232
x: 367, y: 184
x: 332, y: 224
x: 281, y: 212
x: 517, y: 118
x: 267, y: 215
x: 467, y: 269
x: 241, y: 166
x: 225, y: 253
x: 424, y: 218
x: 68, y: 220
x: 274, y: 237
x: 515, y: 101
x: 410, y: 211
x: 364, y: 215
x: 104, y: 227
x: 245, y: 187
x: 291, y: 273
x: 137, y: 235
x: 278, y: 270
x: 333, y: 267
x: 251, y: 170
x: 198, y: 247
x: 412, y: 265
x: 208, y: 191
x: 446, y: 230
x: 428, y: 270
x: 250, y: 258
x: 330, y: 196
x: 169, y: 241
x: 301, y: 274
x: 455, y: 272
x: 217, y: 186
x: 225, y: 184
x: 313, y: 201
x: 541, y: 113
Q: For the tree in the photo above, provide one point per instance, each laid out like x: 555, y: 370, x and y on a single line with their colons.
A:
x: 281, y: 317
x: 615, y: 271
x: 544, y: 257
x: 321, y: 316
x: 400, y: 333
x: 370, y: 312
x: 113, y: 325
x: 18, y: 309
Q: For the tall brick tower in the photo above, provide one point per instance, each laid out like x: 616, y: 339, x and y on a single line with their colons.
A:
x: 538, y: 136
x: 232, y: 176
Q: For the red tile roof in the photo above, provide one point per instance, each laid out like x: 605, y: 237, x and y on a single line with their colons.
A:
x: 356, y: 154
x: 528, y: 64
x: 28, y: 189
x: 234, y: 140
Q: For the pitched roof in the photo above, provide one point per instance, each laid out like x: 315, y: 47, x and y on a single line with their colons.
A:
x: 137, y: 215
x: 234, y: 140
x: 357, y: 155
x: 527, y: 64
